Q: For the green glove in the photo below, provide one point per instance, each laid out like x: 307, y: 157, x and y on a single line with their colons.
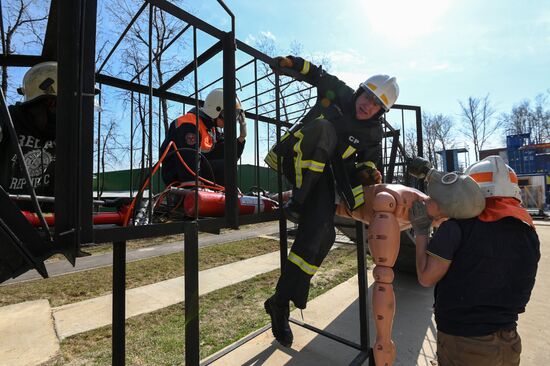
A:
x: 418, y: 216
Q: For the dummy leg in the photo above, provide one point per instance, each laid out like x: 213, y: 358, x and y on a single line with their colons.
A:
x: 383, y: 240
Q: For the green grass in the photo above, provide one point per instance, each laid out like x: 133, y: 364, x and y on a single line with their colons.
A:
x: 66, y: 289
x: 226, y: 315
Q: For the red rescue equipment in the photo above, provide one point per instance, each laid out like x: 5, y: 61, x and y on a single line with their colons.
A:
x: 115, y: 218
x: 212, y: 204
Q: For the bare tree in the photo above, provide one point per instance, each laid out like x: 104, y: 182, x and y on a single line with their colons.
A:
x: 25, y: 21
x: 411, y: 147
x: 111, y: 151
x: 442, y: 127
x: 430, y: 139
x: 527, y: 118
x: 165, y: 28
x: 478, y: 125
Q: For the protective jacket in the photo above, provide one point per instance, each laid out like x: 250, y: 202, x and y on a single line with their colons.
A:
x: 38, y: 147
x: 183, y: 132
x: 358, y: 144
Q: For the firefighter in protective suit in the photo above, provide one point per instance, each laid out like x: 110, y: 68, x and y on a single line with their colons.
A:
x: 210, y: 140
x: 335, y: 148
x: 34, y: 120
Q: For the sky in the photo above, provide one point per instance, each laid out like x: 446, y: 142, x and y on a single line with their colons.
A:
x: 441, y: 51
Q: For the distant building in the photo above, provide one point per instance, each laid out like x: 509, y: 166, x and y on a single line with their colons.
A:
x: 531, y: 162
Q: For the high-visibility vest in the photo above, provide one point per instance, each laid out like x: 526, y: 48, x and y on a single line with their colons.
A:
x: 207, y: 136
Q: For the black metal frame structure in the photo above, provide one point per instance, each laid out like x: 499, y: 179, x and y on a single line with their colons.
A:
x: 70, y: 39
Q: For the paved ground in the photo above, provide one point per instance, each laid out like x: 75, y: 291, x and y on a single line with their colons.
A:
x: 414, y: 326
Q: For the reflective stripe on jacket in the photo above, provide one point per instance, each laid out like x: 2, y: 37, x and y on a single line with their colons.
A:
x: 206, y: 135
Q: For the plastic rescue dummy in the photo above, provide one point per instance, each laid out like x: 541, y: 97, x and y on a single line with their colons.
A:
x: 386, y: 210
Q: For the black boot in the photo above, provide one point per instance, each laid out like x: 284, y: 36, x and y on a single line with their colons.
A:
x: 293, y: 211
x: 279, y: 321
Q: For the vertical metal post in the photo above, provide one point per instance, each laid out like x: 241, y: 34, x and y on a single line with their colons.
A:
x: 256, y: 137
x: 119, y: 305
x: 150, y: 144
x: 98, y: 171
x: 86, y: 154
x: 70, y: 55
x: 363, y: 286
x: 191, y: 278
x: 197, y: 139
x: 283, y: 240
x: 230, y: 129
x: 419, y: 139
x: 132, y: 144
x: 159, y: 142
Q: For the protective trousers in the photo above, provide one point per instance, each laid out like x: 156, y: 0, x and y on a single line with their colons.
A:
x: 315, y: 236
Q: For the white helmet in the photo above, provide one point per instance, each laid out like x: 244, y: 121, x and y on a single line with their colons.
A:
x: 384, y: 87
x: 495, y: 178
x: 213, y: 104
x: 39, y: 81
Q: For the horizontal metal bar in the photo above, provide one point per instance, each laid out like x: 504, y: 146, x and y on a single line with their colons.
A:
x: 205, y: 56
x: 326, y: 334
x: 22, y: 60
x: 26, y: 197
x: 235, y: 345
x: 143, y: 89
x: 188, y: 18
x: 211, y: 225
x: 406, y: 107
x: 265, y: 58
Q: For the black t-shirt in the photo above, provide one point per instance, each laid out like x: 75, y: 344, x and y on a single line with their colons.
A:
x: 38, y: 149
x: 491, y: 276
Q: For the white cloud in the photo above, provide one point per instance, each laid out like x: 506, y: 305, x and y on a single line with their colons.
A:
x: 251, y: 38
x: 348, y: 58
x: 402, y: 21
x: 268, y: 34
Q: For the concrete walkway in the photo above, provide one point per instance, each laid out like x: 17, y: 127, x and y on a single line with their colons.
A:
x: 27, y: 335
x: 94, y: 313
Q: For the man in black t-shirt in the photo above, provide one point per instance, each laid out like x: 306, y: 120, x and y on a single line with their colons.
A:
x: 34, y: 121
x: 484, y: 270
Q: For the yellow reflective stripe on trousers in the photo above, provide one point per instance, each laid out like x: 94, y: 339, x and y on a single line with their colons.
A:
x: 370, y: 164
x: 357, y: 190
x: 313, y: 165
x: 310, y: 269
x: 349, y: 151
x: 305, y: 68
